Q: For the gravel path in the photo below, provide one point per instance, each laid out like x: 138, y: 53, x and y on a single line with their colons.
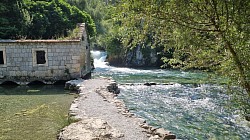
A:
x: 92, y: 105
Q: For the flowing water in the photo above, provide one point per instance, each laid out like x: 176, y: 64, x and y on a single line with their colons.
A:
x: 186, y: 103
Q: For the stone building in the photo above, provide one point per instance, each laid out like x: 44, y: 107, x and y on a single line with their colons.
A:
x: 47, y: 61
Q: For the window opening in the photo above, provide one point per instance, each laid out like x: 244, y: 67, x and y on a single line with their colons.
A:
x: 40, y: 57
x: 1, y: 57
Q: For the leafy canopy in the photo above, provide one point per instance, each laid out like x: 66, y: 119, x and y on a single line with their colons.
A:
x: 41, y: 19
x: 11, y: 18
x: 210, y: 34
x: 100, y: 11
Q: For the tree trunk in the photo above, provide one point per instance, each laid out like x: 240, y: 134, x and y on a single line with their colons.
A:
x: 236, y: 59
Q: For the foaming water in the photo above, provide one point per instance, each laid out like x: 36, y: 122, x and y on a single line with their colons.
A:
x: 186, y: 107
x: 99, y: 59
x: 189, y: 112
x: 100, y: 63
x: 132, y: 75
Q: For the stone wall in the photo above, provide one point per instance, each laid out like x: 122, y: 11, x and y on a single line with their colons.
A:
x: 48, y: 61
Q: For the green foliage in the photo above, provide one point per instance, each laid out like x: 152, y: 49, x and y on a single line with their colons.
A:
x: 100, y: 11
x: 12, y: 21
x: 41, y: 19
x: 72, y: 35
x: 55, y: 18
x: 206, y: 34
x: 81, y: 4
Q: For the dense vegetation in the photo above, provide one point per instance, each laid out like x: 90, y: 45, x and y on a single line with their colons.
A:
x: 11, y: 21
x: 40, y: 19
x: 101, y: 11
x: 207, y: 34
x: 210, y: 34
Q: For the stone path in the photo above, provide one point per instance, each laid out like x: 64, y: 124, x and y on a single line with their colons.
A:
x: 103, y: 117
x: 95, y: 106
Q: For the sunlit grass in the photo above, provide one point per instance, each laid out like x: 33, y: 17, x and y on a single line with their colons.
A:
x: 36, y: 116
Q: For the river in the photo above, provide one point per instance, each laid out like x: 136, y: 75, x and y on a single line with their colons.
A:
x: 181, y: 101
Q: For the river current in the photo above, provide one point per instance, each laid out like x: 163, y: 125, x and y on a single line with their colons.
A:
x: 179, y: 102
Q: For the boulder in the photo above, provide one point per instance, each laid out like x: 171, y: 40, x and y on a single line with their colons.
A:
x: 169, y: 136
x: 88, y: 129
x: 150, y: 84
x: 112, y: 87
x: 247, y: 117
x: 164, y: 134
x: 73, y: 85
x: 155, y: 137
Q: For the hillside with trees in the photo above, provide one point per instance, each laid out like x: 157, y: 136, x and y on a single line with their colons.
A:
x: 40, y: 19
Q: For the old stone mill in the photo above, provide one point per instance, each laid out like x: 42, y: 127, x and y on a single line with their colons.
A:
x: 47, y: 61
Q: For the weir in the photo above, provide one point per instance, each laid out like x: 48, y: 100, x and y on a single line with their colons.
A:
x: 47, y: 61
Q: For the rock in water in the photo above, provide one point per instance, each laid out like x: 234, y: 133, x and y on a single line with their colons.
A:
x: 169, y: 136
x: 112, y: 87
x: 247, y: 117
x: 164, y: 134
x: 73, y: 85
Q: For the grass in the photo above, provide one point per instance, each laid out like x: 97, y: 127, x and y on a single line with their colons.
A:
x: 72, y: 35
x: 36, y: 116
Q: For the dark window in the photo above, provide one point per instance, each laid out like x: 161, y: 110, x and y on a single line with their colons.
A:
x: 40, y: 57
x: 1, y: 57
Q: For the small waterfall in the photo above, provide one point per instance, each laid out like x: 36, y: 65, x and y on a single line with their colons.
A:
x: 99, y: 59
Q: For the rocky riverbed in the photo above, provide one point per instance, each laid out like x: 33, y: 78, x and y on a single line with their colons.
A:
x: 101, y: 116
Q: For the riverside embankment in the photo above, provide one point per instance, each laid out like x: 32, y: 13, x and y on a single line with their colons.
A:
x: 102, y: 116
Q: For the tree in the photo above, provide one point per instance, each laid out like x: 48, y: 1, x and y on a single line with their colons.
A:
x: 53, y: 18
x: 38, y: 19
x: 209, y: 33
x: 100, y: 11
x: 12, y: 20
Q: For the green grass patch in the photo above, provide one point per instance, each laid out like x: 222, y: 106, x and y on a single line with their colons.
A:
x: 28, y: 116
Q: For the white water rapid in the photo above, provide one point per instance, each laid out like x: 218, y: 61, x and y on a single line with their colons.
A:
x: 99, y: 59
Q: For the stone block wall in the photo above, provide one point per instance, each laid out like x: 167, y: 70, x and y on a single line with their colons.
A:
x: 48, y: 61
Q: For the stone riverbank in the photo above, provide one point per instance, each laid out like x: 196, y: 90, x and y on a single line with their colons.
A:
x: 101, y: 116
